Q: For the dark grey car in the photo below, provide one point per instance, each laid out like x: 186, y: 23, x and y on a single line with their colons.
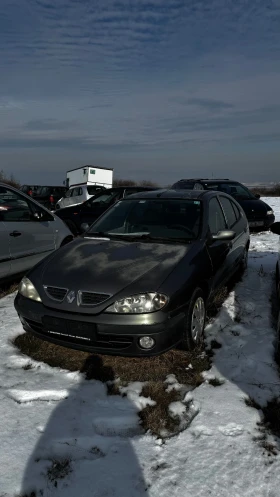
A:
x: 140, y: 279
x: 28, y: 232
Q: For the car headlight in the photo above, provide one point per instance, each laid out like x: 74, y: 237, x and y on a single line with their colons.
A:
x: 269, y: 213
x: 139, y: 304
x: 28, y: 290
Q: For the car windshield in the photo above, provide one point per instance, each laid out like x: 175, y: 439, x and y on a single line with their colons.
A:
x: 165, y: 219
x: 234, y: 189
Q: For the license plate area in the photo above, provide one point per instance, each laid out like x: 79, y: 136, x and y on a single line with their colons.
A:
x: 255, y: 224
x: 64, y: 328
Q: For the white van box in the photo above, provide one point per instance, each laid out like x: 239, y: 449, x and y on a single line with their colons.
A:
x: 90, y: 175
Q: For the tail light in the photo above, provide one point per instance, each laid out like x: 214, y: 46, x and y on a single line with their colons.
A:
x: 51, y: 199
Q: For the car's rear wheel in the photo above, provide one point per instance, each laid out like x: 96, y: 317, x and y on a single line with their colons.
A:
x: 195, y: 321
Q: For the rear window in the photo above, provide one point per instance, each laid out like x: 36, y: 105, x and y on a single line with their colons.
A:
x: 92, y: 190
x: 184, y: 185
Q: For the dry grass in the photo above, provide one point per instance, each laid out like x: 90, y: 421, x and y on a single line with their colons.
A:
x: 8, y: 288
x: 59, y: 470
x: 156, y: 418
x: 270, y: 424
x: 105, y: 368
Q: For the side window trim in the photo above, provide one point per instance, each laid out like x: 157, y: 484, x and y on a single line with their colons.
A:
x: 224, y: 213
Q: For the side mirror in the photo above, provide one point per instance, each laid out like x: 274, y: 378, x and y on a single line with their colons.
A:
x: 223, y: 236
x: 84, y: 227
x: 275, y: 228
x: 257, y: 195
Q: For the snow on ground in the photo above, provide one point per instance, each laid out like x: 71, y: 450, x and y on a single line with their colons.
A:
x: 49, y: 416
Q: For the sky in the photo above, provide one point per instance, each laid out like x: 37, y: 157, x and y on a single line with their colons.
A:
x: 156, y: 89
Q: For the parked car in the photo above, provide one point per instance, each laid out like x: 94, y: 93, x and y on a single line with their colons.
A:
x: 140, y: 279
x: 78, y: 194
x: 79, y: 217
x: 28, y: 232
x: 29, y: 189
x: 259, y: 214
x: 49, y: 195
x: 275, y: 228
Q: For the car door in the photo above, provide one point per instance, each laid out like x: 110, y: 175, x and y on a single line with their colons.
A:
x: 76, y: 196
x: 219, y: 250
x: 30, y: 230
x: 235, y: 224
x: 65, y: 202
x: 5, y: 256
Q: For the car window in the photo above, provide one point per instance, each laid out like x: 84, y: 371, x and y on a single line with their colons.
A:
x: 236, y: 190
x: 236, y: 210
x: 76, y: 192
x: 216, y: 219
x: 127, y: 192
x: 228, y: 210
x: 68, y: 193
x: 92, y: 189
x: 184, y: 185
x: 13, y: 207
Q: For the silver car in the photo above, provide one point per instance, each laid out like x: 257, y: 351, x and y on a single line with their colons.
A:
x: 28, y: 232
x: 78, y: 194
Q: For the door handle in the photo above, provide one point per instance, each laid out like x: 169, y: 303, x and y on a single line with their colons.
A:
x: 15, y: 234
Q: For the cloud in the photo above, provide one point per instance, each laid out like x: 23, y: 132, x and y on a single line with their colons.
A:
x: 48, y: 125
x: 142, y: 79
x: 210, y: 104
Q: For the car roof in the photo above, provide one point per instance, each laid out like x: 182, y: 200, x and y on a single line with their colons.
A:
x: 172, y: 194
x: 209, y: 180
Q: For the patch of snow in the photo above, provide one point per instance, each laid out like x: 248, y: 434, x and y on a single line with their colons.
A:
x: 101, y: 435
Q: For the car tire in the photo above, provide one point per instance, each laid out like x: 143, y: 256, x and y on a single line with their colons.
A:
x: 194, y: 321
x: 72, y: 227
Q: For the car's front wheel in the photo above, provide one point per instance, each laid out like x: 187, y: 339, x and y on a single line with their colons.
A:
x: 195, y: 321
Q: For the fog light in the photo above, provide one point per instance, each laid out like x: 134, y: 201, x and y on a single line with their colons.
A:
x: 146, y: 342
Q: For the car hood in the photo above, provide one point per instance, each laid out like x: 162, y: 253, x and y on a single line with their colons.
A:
x: 115, y: 268
x: 252, y: 207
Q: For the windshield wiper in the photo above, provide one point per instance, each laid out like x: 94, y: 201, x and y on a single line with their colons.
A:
x: 145, y: 237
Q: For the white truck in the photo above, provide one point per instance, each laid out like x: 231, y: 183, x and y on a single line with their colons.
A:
x: 90, y: 175
x: 84, y: 183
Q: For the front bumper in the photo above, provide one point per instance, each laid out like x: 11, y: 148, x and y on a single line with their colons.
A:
x: 104, y: 333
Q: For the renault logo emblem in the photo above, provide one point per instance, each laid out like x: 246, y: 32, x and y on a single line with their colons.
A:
x: 71, y: 297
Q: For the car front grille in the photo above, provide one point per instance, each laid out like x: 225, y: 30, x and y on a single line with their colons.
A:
x: 90, y: 298
x: 56, y: 293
